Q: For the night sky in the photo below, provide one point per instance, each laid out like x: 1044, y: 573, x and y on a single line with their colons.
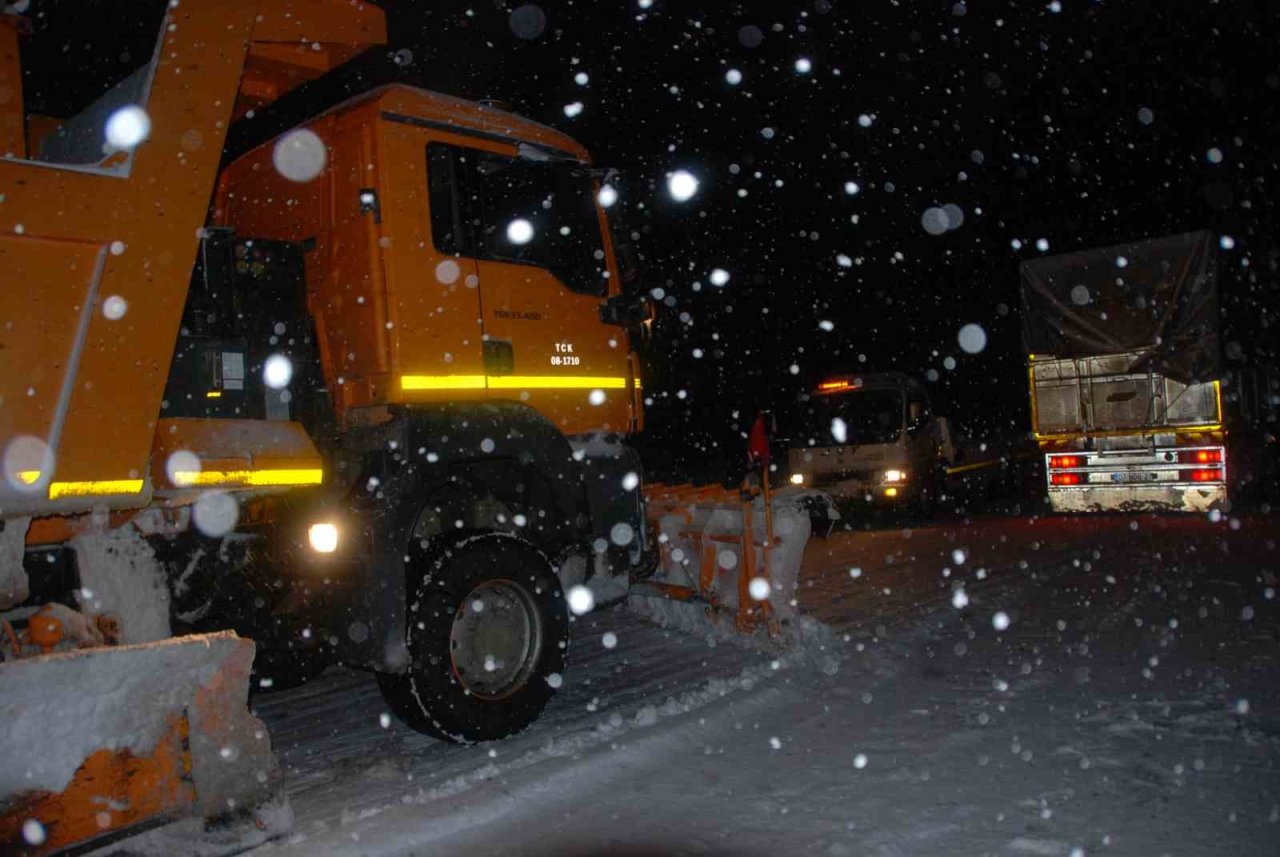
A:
x: 1079, y: 123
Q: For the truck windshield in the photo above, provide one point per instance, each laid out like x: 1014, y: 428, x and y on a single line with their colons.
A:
x: 542, y: 214
x: 869, y: 416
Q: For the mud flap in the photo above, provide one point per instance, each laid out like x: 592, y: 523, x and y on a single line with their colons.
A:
x: 100, y: 743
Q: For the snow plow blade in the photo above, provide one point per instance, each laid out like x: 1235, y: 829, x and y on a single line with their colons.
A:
x: 729, y: 557
x: 97, y: 744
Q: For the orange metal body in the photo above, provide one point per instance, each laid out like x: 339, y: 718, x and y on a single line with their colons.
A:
x: 295, y: 41
x: 382, y: 312
x: 85, y: 387
x: 679, y: 500
x: 13, y: 138
x: 81, y: 389
x: 233, y: 454
x: 80, y: 427
x: 112, y: 790
x: 208, y: 751
x: 44, y: 631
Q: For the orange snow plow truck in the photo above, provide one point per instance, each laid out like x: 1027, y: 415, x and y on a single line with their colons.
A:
x: 358, y: 395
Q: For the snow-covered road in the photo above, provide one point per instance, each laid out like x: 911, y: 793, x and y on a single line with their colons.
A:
x: 1129, y: 707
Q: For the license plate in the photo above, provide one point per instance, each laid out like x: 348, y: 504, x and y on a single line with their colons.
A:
x: 1133, y: 476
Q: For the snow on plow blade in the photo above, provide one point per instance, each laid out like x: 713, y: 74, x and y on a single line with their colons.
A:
x: 99, y: 743
x: 730, y: 558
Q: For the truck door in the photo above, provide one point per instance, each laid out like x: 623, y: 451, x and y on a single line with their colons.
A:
x: 921, y: 440
x: 435, y: 303
x: 543, y: 275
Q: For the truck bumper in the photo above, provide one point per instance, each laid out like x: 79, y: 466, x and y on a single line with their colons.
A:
x: 874, y: 495
x: 1138, y: 498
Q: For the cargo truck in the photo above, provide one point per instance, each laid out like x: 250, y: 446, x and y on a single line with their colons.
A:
x: 871, y: 439
x: 1125, y: 375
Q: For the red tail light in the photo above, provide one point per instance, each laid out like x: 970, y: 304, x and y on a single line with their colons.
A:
x: 1209, y: 474
x: 1064, y: 478
x: 1065, y: 462
x: 1200, y: 456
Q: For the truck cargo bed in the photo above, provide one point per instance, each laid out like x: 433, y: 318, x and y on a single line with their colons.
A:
x: 1104, y: 394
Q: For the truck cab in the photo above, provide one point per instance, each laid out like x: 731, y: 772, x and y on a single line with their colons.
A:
x: 871, y: 439
x: 439, y: 277
x: 453, y: 252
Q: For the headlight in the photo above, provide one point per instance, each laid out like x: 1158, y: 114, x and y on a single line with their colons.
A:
x: 894, y: 476
x: 323, y: 537
x: 797, y: 478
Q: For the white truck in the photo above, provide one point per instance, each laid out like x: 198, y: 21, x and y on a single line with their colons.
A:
x: 871, y: 439
x: 1124, y: 373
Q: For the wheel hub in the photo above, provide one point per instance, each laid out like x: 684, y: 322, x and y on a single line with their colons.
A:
x: 495, y: 639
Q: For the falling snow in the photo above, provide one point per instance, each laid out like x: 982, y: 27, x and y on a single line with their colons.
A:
x: 682, y: 185
x: 300, y: 155
x: 783, y: 195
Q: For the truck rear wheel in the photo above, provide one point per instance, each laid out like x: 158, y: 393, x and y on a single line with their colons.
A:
x: 488, y: 628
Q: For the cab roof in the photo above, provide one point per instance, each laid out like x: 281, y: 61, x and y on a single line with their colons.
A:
x: 400, y: 102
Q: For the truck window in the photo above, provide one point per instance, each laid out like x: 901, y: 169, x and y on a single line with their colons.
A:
x: 445, y: 197
x: 917, y: 409
x: 870, y: 416
x: 91, y: 111
x: 516, y: 210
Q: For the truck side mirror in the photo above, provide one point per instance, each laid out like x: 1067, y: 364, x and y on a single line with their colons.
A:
x: 628, y: 264
x: 624, y: 310
x: 946, y: 445
x: 917, y: 417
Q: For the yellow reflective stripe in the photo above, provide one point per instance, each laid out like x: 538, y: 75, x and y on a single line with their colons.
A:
x: 213, y: 394
x: 513, y: 382
x: 93, y: 489
x: 258, y: 478
x: 556, y: 382
x: 28, y: 477
x: 977, y: 465
x: 442, y: 382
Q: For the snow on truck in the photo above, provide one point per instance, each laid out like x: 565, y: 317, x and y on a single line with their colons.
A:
x: 1123, y: 362
x: 361, y: 394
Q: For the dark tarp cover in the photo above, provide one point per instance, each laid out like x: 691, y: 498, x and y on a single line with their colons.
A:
x: 1158, y: 296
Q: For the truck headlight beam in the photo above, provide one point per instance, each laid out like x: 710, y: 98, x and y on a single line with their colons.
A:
x: 323, y: 537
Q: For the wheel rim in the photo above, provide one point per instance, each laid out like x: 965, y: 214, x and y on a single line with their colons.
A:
x: 495, y: 639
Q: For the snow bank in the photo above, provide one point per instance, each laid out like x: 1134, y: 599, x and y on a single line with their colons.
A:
x: 804, y: 641
x: 13, y: 577
x: 121, y: 577
x: 606, y: 732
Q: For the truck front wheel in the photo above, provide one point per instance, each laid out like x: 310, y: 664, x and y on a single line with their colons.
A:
x: 487, y: 634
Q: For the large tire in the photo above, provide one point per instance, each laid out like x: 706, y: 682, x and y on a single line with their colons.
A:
x: 488, y: 628
x: 925, y: 505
